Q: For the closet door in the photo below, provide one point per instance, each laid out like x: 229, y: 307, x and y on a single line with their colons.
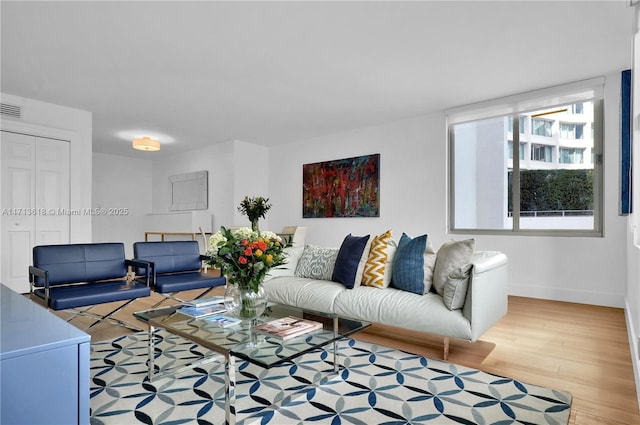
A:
x: 34, y: 201
x: 52, y: 192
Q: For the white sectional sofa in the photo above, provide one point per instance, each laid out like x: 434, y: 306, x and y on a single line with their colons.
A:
x: 482, y: 304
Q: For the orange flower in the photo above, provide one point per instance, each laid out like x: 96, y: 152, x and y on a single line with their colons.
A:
x: 262, y: 245
x: 259, y: 252
x: 248, y: 252
x: 242, y: 260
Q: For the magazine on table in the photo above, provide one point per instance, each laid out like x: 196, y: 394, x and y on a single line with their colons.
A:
x: 198, y: 312
x: 203, y: 302
x: 222, y: 320
x: 287, y: 327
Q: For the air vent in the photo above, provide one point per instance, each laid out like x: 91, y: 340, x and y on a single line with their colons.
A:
x: 12, y: 111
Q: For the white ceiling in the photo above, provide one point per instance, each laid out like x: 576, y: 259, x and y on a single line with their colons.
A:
x: 279, y: 72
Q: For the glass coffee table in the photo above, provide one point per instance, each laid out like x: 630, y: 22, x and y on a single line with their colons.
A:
x: 238, y: 341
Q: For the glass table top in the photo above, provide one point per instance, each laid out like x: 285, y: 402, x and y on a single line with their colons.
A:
x: 238, y: 340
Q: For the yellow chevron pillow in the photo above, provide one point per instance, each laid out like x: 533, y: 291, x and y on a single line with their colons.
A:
x: 377, y: 270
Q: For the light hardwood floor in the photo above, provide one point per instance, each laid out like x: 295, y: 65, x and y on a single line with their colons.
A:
x: 577, y: 348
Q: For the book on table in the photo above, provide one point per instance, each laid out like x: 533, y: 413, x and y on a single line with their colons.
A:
x: 199, y: 312
x: 287, y: 327
x: 202, y: 302
x: 222, y: 320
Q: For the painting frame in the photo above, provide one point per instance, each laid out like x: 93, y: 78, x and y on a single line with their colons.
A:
x: 348, y: 187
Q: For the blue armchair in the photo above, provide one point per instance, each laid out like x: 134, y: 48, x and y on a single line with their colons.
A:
x: 79, y: 275
x: 176, y: 266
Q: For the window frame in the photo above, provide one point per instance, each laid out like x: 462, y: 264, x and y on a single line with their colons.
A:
x: 483, y: 111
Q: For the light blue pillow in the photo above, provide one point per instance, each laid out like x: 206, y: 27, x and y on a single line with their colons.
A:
x: 348, y: 259
x: 408, y: 264
x: 316, y: 262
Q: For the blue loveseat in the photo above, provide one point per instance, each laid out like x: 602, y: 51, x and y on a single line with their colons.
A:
x: 79, y: 275
x: 175, y: 266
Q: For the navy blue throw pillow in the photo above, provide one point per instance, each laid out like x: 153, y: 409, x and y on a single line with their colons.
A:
x: 408, y: 264
x: 348, y: 259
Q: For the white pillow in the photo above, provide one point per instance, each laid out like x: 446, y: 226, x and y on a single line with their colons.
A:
x: 430, y: 257
x: 452, y: 255
x: 362, y: 263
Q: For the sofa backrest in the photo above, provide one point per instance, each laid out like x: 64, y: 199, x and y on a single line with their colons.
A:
x: 75, y: 263
x: 169, y: 257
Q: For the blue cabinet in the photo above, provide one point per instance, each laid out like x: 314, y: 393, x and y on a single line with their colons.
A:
x: 44, y: 365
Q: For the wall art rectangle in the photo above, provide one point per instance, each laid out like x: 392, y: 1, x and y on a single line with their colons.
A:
x: 347, y: 187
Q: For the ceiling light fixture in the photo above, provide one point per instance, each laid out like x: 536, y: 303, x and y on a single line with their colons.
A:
x: 146, y: 144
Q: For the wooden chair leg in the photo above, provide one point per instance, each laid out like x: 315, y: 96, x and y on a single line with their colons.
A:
x: 446, y: 348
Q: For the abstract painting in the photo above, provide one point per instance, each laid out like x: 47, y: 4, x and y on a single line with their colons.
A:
x: 347, y: 187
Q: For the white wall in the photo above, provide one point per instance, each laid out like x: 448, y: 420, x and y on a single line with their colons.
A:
x: 412, y: 183
x: 121, y: 182
x: 251, y: 178
x: 413, y: 193
x: 234, y: 171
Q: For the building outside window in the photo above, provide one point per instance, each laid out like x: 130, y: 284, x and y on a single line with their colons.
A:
x: 523, y: 147
x: 571, y: 131
x: 542, y: 153
x: 576, y: 108
x: 521, y: 119
x: 549, y: 188
x: 571, y: 156
x: 541, y: 127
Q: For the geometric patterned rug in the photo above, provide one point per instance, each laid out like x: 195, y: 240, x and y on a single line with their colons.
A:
x: 377, y: 385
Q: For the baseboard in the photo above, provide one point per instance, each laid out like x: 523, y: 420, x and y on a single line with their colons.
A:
x: 634, y: 340
x: 604, y: 299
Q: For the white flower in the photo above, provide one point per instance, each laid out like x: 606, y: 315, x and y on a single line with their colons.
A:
x: 270, y: 235
x: 243, y: 232
x: 215, y: 241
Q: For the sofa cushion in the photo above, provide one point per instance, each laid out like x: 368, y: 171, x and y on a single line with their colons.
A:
x: 429, y: 265
x: 408, y: 264
x: 317, y: 295
x: 316, y: 262
x: 377, y: 270
x: 362, y: 263
x: 74, y: 296
x: 455, y: 290
x: 424, y: 313
x: 452, y: 255
x: 293, y: 254
x: 176, y: 282
x: 169, y: 256
x: 348, y: 259
x: 76, y: 263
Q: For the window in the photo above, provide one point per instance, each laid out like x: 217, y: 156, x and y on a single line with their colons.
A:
x: 571, y: 131
x: 543, y: 189
x: 542, y: 153
x: 571, y: 156
x: 541, y: 127
x: 521, y: 119
x: 576, y: 108
x: 523, y: 147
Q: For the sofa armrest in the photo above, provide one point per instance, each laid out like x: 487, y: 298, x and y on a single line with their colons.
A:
x: 34, y: 274
x: 148, y: 267
x: 487, y: 294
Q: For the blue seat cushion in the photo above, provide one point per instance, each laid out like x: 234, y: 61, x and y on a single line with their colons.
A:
x: 168, y: 283
x: 73, y: 296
